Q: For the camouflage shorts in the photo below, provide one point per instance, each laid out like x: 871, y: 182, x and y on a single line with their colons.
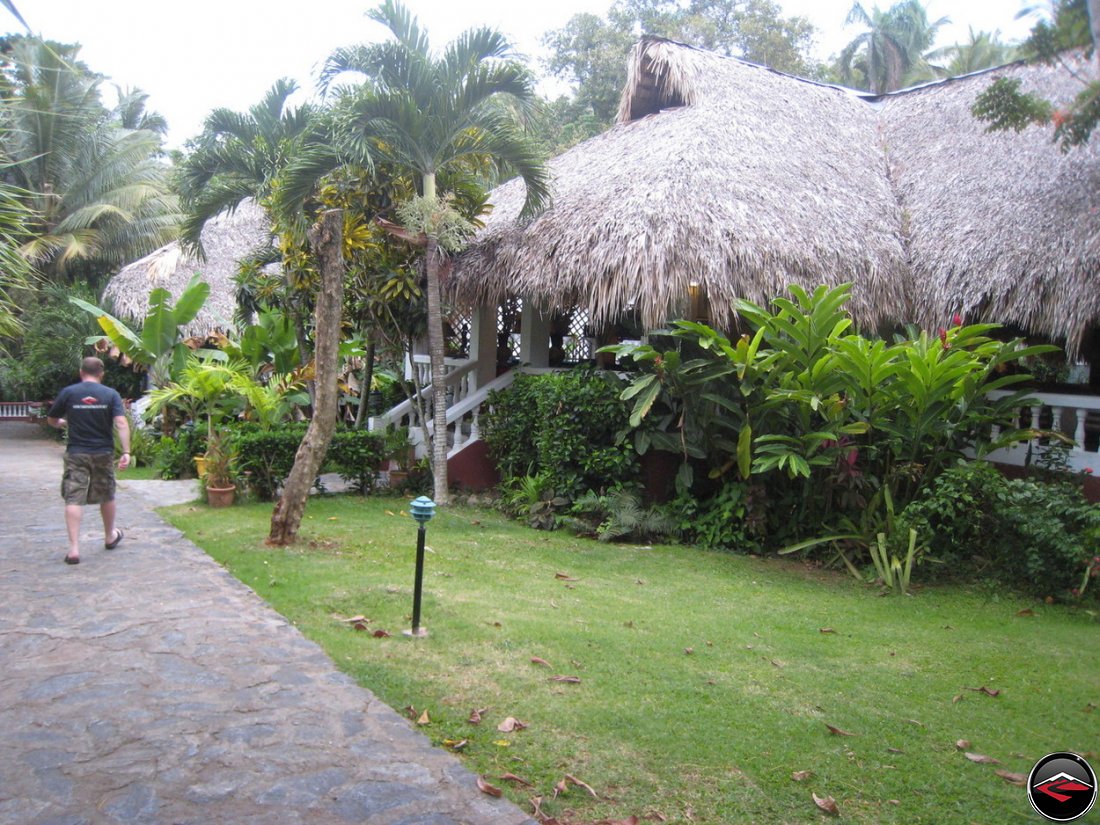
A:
x: 89, y: 478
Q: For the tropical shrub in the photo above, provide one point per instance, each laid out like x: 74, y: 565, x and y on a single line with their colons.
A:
x: 1038, y: 535
x: 565, y: 426
x: 357, y: 456
x: 266, y: 457
x: 174, y: 456
x: 730, y: 519
x: 838, y: 428
x: 619, y: 514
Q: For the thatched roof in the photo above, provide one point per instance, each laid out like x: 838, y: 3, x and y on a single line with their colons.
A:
x: 743, y: 180
x: 1001, y: 226
x: 226, y: 240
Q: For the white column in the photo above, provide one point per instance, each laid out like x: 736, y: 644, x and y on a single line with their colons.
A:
x: 534, y: 342
x: 483, y: 345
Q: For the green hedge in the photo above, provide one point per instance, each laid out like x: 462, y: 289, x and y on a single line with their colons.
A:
x: 268, y: 456
x: 565, y: 425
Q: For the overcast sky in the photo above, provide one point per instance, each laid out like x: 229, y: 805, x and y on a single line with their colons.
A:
x: 196, y: 56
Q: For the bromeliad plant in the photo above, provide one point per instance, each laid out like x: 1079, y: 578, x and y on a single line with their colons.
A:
x: 834, y: 423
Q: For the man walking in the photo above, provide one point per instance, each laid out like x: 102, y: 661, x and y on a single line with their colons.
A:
x: 92, y: 412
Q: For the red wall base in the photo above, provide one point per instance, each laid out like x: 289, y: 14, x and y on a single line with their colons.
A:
x: 473, y: 469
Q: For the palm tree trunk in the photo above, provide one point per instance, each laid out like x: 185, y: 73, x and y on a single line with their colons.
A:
x: 439, y: 390
x: 326, y: 239
x: 435, y: 353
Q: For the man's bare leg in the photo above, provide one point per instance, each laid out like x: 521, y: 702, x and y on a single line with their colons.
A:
x: 73, y: 514
x: 107, y: 510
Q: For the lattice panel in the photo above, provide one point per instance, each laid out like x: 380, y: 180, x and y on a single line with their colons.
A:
x: 456, y: 330
x: 508, y: 315
x: 578, y: 346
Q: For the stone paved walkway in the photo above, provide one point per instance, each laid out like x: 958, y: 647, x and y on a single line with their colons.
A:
x: 146, y: 685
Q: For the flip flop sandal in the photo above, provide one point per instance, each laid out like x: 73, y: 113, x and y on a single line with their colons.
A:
x: 72, y: 559
x: 112, y: 545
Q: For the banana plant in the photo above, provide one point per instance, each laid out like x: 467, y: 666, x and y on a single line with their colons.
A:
x: 159, y: 347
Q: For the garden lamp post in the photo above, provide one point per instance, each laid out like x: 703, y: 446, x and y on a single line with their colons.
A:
x: 423, y: 509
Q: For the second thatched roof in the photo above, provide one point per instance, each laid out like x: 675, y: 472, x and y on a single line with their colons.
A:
x: 740, y: 180
x: 226, y: 240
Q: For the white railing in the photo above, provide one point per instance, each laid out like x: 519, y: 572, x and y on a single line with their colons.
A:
x: 465, y: 402
x: 460, y: 382
x: 464, y: 419
x: 422, y: 363
x: 21, y: 410
x: 1077, y: 417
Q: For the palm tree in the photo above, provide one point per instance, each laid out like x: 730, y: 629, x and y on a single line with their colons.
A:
x: 432, y: 115
x: 15, y: 272
x: 891, y: 47
x: 240, y: 155
x: 98, y: 190
x: 982, y: 51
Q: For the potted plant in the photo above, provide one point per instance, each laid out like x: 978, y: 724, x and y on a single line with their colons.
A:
x: 220, y: 480
x: 396, y: 449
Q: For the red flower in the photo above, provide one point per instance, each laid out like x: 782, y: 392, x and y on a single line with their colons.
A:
x: 1061, y: 117
x: 957, y: 320
x: 1087, y: 471
x: 943, y: 338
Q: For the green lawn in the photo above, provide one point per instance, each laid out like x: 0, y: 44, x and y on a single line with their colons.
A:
x: 706, y: 679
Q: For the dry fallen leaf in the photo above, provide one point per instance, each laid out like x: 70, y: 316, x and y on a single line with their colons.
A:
x: 827, y: 804
x: 894, y: 750
x: 1017, y: 779
x: 1027, y: 611
x: 380, y: 634
x: 826, y: 630
x: 475, y: 716
x: 565, y: 577
x: 801, y: 776
x: 511, y: 777
x: 573, y: 680
x: 560, y: 788
x: 511, y: 724
x: 424, y: 719
x: 986, y: 691
x: 360, y: 625
x: 485, y: 787
x: 837, y: 731
x: 630, y: 820
x: 688, y: 651
x: 958, y: 698
x: 962, y: 744
x: 455, y: 744
x: 572, y: 779
x: 981, y: 759
x: 535, y: 660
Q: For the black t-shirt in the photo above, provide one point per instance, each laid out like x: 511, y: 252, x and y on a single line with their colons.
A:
x: 90, y: 409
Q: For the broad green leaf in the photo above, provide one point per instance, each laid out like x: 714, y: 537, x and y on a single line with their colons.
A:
x: 191, y: 300
x: 644, y: 402
x: 744, y: 451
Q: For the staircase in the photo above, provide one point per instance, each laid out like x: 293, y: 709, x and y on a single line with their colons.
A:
x: 466, y: 455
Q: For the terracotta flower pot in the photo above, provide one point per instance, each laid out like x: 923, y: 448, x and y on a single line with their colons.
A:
x: 220, y: 496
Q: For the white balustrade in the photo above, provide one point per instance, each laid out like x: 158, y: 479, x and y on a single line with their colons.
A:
x: 464, y: 403
x: 1076, y: 417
